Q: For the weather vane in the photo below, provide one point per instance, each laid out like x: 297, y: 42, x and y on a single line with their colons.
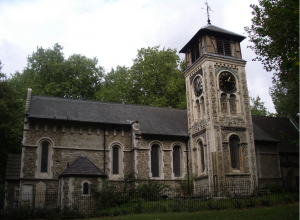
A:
x: 207, y: 11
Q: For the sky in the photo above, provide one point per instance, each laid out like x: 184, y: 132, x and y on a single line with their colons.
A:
x: 113, y: 30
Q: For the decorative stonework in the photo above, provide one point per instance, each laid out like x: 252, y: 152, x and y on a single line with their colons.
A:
x: 240, y: 133
x: 231, y: 121
x: 198, y: 126
x: 226, y: 66
x: 213, y: 94
x: 245, y: 158
x: 195, y: 152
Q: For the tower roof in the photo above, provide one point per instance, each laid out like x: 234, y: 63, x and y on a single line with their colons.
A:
x: 215, y: 29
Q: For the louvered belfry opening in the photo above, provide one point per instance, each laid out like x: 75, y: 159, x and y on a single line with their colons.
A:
x: 176, y: 161
x: 155, y: 161
x: 223, y: 46
x: 202, y: 158
x: 234, y: 152
x: 116, y: 160
x: 44, y: 159
x: 195, y: 52
x: 85, y: 188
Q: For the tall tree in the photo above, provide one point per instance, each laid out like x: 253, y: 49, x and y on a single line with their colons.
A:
x: 258, y: 107
x: 10, y: 121
x: 49, y: 73
x: 275, y: 36
x: 156, y: 78
x: 116, y: 86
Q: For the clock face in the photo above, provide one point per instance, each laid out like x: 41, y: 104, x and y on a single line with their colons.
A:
x: 198, y: 88
x: 227, y: 81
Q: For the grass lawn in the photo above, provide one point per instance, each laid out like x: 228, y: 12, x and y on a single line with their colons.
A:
x: 289, y: 211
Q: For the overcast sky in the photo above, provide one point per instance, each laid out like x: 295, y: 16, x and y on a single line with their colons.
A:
x: 114, y: 30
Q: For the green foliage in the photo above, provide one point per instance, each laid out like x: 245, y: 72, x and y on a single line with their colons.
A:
x: 275, y: 36
x: 238, y: 204
x: 258, y: 107
x: 155, y: 79
x: 186, y: 183
x: 152, y: 190
x: 285, y: 96
x: 48, y: 73
x: 11, y: 119
x: 265, y: 202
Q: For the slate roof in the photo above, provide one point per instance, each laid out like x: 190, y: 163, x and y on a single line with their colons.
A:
x: 212, y: 28
x: 82, y: 166
x: 275, y: 127
x: 260, y: 135
x: 153, y: 120
x: 13, y: 167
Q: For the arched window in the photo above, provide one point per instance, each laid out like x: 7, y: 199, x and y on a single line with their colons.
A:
x: 176, y: 161
x: 44, y: 157
x: 232, y: 104
x: 155, y: 160
x: 224, y: 101
x: 197, y: 110
x: 234, y: 152
x: 202, y: 110
x: 85, y: 188
x: 115, y: 160
x: 202, y: 162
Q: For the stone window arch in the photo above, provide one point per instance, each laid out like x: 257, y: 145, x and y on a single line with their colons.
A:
x: 116, y: 160
x: 202, y: 107
x: 224, y: 101
x: 177, y: 161
x: 155, y: 163
x: 44, y: 161
x: 234, y: 147
x: 232, y: 104
x: 201, y: 158
x: 86, y: 187
x: 197, y: 110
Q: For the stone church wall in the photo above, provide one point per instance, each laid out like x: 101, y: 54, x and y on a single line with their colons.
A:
x: 268, y: 160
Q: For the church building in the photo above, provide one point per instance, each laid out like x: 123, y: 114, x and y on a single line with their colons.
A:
x: 70, y: 144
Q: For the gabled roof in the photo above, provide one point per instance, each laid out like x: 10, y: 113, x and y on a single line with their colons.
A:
x: 13, y: 167
x: 82, y: 166
x: 260, y: 135
x: 276, y: 128
x: 153, y: 120
x: 212, y: 28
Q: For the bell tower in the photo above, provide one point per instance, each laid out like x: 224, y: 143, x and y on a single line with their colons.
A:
x: 221, y: 144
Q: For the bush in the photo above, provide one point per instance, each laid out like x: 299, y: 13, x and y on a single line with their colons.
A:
x: 152, y: 190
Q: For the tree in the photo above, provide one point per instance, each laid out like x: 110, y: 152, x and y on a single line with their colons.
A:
x: 49, y: 73
x: 275, y: 36
x: 156, y: 79
x: 258, y: 107
x: 116, y: 86
x: 11, y: 121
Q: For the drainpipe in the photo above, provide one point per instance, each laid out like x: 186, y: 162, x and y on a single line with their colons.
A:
x: 104, y: 149
x: 187, y: 160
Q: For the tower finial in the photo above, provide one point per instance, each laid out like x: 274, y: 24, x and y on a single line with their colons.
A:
x: 207, y: 11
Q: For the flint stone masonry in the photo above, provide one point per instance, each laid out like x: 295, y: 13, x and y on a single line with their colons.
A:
x: 143, y: 169
x: 29, y: 160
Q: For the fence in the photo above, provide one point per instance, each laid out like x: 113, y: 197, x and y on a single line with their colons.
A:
x: 148, y: 197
